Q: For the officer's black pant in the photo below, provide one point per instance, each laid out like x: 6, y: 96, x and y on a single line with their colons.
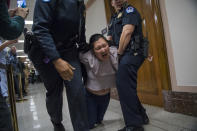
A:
x: 5, y: 117
x: 127, y: 89
x: 74, y: 89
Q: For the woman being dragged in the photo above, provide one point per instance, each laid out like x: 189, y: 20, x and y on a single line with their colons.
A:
x: 101, y: 63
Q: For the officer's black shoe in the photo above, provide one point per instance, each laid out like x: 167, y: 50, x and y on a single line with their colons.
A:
x: 146, y: 119
x: 92, y: 126
x: 132, y: 129
x: 58, y: 127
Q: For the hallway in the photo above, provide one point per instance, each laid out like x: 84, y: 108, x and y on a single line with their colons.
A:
x: 32, y: 116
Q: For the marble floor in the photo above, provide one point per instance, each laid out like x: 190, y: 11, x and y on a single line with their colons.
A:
x: 32, y: 116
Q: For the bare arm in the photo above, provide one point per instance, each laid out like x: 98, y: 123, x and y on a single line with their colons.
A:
x: 6, y: 43
x: 125, y: 38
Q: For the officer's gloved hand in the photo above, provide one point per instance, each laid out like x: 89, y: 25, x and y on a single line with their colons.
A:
x: 83, y: 47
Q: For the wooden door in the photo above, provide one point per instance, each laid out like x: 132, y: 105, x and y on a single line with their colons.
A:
x: 153, y: 76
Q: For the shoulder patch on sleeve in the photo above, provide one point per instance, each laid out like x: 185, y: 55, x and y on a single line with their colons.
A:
x: 130, y: 9
x: 46, y: 0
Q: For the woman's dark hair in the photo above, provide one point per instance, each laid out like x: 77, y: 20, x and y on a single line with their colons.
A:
x: 94, y: 38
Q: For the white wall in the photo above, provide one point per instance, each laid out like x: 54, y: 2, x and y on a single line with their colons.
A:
x: 95, y: 18
x: 182, y: 19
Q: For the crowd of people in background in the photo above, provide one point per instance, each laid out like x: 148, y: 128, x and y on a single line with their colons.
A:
x: 22, y: 74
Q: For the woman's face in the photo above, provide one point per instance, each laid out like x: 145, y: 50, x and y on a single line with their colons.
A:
x: 101, y: 49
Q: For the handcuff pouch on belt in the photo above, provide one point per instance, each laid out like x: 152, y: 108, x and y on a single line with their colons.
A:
x: 29, y: 41
x: 139, y: 45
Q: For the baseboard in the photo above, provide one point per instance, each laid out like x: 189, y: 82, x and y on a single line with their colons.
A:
x: 180, y: 102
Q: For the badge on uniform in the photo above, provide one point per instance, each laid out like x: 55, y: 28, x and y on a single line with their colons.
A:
x: 119, y: 15
x: 130, y: 9
x: 46, y: 0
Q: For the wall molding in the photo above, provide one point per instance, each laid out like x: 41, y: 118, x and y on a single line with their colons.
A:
x: 168, y: 44
x: 180, y: 102
x: 192, y: 89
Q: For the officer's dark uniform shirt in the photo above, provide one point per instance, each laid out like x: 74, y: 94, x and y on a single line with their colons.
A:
x: 127, y: 15
x: 55, y: 23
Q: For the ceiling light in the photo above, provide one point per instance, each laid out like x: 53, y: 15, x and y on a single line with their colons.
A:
x: 20, y: 41
x: 29, y: 22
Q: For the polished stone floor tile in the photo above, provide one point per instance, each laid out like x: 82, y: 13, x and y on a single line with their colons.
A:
x: 32, y: 116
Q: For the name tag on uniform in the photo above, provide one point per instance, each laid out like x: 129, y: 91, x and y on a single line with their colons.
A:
x: 119, y: 15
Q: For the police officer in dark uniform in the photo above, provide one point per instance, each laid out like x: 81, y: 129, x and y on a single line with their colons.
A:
x: 125, y: 30
x: 58, y: 26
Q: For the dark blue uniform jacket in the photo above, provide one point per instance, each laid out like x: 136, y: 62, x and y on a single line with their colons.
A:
x: 55, y: 23
x: 128, y: 15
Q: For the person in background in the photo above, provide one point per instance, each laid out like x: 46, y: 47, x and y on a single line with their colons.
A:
x: 124, y: 30
x: 13, y: 60
x: 3, y: 62
x: 21, y: 67
x: 37, y: 75
x: 10, y: 28
x: 5, y: 44
x: 32, y: 75
x: 12, y: 22
x: 101, y: 63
